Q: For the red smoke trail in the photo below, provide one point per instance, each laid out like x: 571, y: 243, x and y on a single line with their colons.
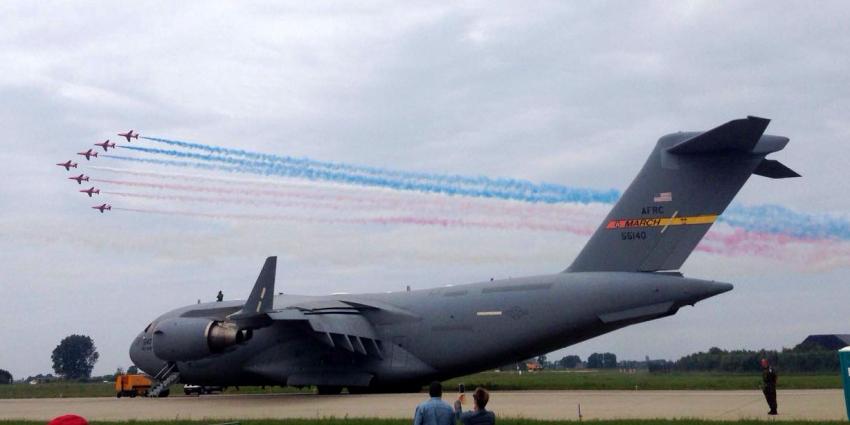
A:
x: 801, y: 251
x: 220, y: 180
x: 230, y: 191
x: 232, y: 200
x: 807, y: 251
x: 575, y: 219
x: 361, y: 194
x: 383, y: 220
x: 374, y: 197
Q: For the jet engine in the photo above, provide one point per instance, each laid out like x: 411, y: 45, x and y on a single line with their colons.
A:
x: 183, y: 339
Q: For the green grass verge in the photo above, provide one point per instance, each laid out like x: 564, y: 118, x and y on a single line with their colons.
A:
x: 498, y: 381
x: 612, y: 380
x: 501, y: 421
x: 57, y: 389
x: 77, y: 389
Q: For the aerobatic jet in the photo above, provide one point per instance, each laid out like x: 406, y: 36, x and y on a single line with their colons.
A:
x: 91, y: 191
x: 627, y: 273
x: 103, y: 207
x: 106, y: 145
x: 68, y: 165
x: 80, y: 179
x: 129, y: 135
x: 88, y: 154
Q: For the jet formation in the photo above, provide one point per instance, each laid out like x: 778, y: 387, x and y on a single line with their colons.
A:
x: 129, y: 135
x: 103, y: 207
x: 89, y: 154
x: 627, y: 273
x: 91, y: 191
x: 80, y: 179
x: 68, y: 165
x: 106, y: 145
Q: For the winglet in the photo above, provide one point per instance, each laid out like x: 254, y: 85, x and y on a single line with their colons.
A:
x: 253, y: 313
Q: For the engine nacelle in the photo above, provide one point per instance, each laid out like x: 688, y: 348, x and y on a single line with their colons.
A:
x: 183, y: 339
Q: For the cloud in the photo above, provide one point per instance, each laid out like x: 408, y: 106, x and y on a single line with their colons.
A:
x: 568, y: 93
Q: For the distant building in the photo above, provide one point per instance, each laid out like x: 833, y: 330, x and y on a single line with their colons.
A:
x: 829, y: 342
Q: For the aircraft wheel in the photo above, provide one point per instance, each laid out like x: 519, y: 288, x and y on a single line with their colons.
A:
x: 395, y: 389
x: 329, y: 389
x: 359, y: 390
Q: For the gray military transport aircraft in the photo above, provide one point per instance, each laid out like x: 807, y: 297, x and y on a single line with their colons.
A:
x: 626, y: 274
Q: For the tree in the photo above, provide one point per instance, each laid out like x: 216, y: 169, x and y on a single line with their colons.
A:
x: 74, y: 357
x: 609, y: 360
x: 5, y: 377
x: 570, y: 362
x: 594, y: 361
x: 602, y: 361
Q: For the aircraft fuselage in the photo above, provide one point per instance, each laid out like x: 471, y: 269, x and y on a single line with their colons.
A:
x: 433, y: 333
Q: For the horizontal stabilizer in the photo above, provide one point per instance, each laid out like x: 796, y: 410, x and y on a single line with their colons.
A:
x: 774, y: 169
x: 736, y: 135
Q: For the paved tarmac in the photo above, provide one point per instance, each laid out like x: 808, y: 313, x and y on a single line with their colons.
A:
x: 720, y: 405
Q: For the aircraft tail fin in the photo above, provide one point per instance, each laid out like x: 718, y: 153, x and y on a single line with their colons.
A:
x: 261, y: 299
x: 687, y: 182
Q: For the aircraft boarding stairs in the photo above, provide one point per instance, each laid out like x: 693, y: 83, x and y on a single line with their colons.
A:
x: 167, y: 376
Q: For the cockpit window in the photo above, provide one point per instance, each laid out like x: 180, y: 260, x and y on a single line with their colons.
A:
x: 148, y: 327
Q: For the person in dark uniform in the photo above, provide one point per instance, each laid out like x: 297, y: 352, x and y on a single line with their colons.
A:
x: 219, y: 297
x: 768, y: 377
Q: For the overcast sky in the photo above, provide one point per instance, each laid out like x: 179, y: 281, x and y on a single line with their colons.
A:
x: 574, y: 93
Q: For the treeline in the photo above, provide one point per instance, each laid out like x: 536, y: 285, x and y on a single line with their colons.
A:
x: 594, y: 361
x: 804, y: 358
x: 5, y: 377
x: 797, y: 359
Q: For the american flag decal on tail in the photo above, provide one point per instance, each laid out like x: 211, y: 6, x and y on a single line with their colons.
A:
x: 663, y: 197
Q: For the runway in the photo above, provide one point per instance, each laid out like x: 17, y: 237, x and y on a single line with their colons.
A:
x: 719, y: 405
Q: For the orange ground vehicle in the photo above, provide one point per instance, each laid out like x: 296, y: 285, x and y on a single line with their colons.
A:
x: 131, y: 385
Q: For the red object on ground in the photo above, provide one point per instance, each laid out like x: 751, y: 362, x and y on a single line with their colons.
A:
x: 68, y: 420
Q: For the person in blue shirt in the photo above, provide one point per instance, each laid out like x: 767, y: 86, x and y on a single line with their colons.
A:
x: 479, y: 415
x: 434, y: 411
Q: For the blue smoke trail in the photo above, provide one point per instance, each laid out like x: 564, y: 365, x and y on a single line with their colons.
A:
x: 776, y: 219
x: 184, y: 164
x: 287, y: 170
x: 506, y: 184
x: 771, y: 219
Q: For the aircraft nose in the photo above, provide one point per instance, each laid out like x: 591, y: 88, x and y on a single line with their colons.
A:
x: 141, y: 353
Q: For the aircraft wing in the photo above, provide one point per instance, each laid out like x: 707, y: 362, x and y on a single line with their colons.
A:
x: 337, y: 325
x: 348, y: 324
x: 340, y: 322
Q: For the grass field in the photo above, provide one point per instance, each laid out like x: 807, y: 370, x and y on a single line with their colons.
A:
x: 547, y: 380
x: 76, y: 389
x: 501, y: 421
x: 605, y: 380
x: 57, y: 389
